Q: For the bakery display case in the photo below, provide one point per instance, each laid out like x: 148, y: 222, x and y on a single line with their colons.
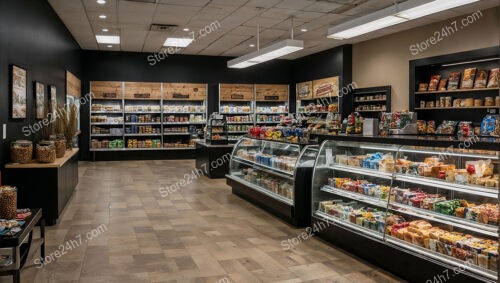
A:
x: 437, y: 205
x: 274, y: 175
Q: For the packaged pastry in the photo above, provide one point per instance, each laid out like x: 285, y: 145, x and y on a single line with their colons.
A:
x: 421, y: 126
x: 431, y: 127
x: 420, y: 224
x: 465, y: 129
x: 489, y: 101
x: 446, y: 128
x: 493, y: 78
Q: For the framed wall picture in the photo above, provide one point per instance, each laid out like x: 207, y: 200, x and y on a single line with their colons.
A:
x: 53, y: 99
x: 39, y: 100
x: 18, y: 92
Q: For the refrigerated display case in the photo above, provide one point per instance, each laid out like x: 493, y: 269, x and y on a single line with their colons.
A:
x: 275, y: 176
x: 428, y: 207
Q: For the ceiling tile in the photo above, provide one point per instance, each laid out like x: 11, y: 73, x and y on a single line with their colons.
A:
x: 135, y: 13
x: 322, y: 6
x: 294, y: 4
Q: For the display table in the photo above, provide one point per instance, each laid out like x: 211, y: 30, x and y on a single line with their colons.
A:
x: 213, y: 160
x: 48, y: 186
x: 20, y: 245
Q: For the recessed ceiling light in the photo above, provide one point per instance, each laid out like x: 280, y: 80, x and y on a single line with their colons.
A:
x: 102, y: 16
x: 101, y: 2
x: 108, y: 39
x: 105, y: 30
x: 177, y: 42
x: 109, y: 46
x: 303, y: 29
x: 252, y: 45
x: 185, y: 29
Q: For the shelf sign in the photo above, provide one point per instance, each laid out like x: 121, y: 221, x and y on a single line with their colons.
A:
x: 271, y: 97
x: 109, y: 95
x: 237, y: 96
x: 180, y: 96
x: 142, y: 95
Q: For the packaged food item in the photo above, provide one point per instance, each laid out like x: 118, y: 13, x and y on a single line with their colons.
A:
x: 423, y: 87
x: 447, y: 207
x: 446, y: 128
x: 421, y: 126
x: 21, y: 151
x: 433, y: 84
x: 481, y: 79
x: 478, y: 102
x: 490, y: 125
x: 442, y: 84
x: 493, y: 78
x: 465, y: 129
x: 468, y: 78
x: 431, y: 127
x: 454, y: 80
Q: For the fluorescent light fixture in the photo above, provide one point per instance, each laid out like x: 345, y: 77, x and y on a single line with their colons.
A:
x: 102, y: 2
x: 185, y: 29
x: 252, y: 45
x: 105, y: 30
x: 102, y: 16
x: 432, y: 7
x: 303, y: 30
x: 393, y: 15
x: 368, y: 27
x: 108, y: 39
x: 470, y: 62
x: 109, y: 46
x: 178, y: 42
x: 268, y: 53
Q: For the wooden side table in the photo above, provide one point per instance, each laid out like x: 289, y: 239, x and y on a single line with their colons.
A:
x: 20, y: 245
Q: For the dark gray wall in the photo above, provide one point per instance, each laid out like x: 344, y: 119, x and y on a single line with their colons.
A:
x: 32, y: 36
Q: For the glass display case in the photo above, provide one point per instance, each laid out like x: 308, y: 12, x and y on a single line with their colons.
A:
x: 438, y: 204
x: 267, y: 172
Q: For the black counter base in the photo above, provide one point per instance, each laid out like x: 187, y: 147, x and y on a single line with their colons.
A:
x: 269, y: 204
x: 47, y: 188
x: 403, y: 264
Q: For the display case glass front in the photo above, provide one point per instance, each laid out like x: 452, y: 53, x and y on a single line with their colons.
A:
x: 266, y: 166
x: 440, y: 204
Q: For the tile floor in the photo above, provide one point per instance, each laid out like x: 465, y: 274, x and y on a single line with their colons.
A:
x: 201, y: 233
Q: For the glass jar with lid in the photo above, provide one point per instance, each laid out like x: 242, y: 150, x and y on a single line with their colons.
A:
x: 60, y: 144
x: 8, y: 202
x: 21, y: 151
x: 45, y: 152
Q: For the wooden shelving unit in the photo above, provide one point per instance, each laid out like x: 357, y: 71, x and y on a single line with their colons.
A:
x: 145, y: 98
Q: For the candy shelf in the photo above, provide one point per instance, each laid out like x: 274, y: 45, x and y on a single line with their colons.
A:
x: 412, y: 204
x: 273, y: 175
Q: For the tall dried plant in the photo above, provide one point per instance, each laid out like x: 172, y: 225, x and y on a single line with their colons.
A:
x: 70, y: 125
x: 48, y: 129
x: 60, y: 123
